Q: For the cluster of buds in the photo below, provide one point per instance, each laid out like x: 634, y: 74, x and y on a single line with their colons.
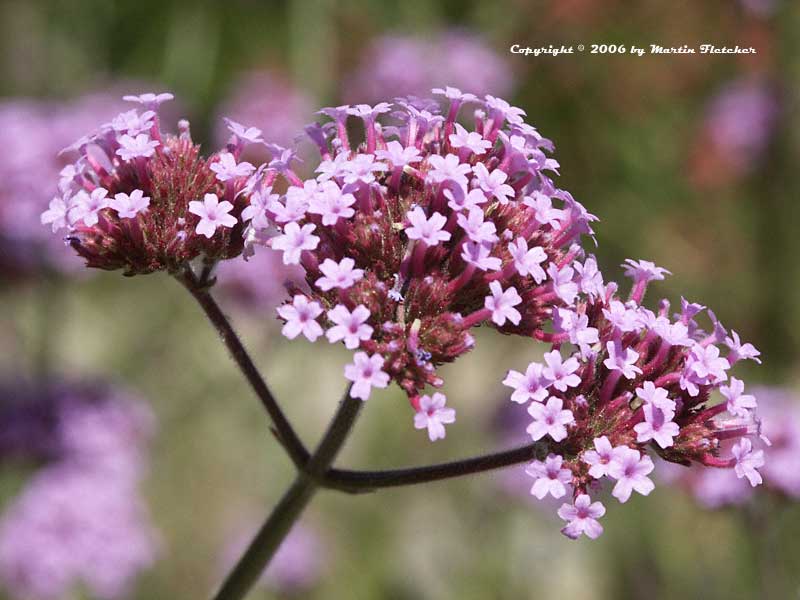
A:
x: 421, y: 232
x: 636, y: 380
x: 143, y: 200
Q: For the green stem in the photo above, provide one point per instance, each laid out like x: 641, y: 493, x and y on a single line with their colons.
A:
x: 291, y: 505
x: 365, y: 481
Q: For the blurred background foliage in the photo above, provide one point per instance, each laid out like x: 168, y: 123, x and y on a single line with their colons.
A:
x: 633, y: 139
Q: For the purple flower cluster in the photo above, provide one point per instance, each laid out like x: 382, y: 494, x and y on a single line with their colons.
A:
x: 80, y: 520
x: 142, y: 200
x: 398, y: 65
x: 32, y: 134
x: 418, y: 227
x: 422, y: 232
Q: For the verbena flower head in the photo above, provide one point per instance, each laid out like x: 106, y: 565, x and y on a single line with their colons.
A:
x: 422, y: 231
x: 32, y: 132
x: 635, y: 384
x: 143, y: 200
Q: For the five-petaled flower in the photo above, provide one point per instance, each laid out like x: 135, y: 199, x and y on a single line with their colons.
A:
x: 338, y: 275
x: 747, y: 461
x: 549, y: 419
x: 301, y: 317
x: 582, y: 517
x: 135, y: 147
x: 212, y: 213
x: 550, y: 477
x: 426, y: 229
x: 501, y: 304
x: 349, y: 326
x: 433, y: 415
x: 294, y: 241
x: 227, y: 168
x: 365, y: 373
x: 630, y: 469
x: 129, y: 205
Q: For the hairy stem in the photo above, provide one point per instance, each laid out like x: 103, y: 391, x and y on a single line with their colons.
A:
x: 288, y: 510
x: 283, y: 430
x: 364, y: 481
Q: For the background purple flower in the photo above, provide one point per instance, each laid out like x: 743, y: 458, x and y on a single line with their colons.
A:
x: 257, y: 283
x: 269, y: 101
x: 741, y: 120
x: 402, y: 65
x: 80, y: 520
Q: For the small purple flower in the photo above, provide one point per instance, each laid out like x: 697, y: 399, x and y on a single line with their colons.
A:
x: 563, y: 285
x: 135, y: 147
x: 544, y: 211
x: 527, y: 262
x: 739, y: 404
x: 365, y: 373
x: 331, y: 203
x: 471, y: 140
x: 362, y: 169
x: 551, y: 478
x: 630, y: 469
x: 294, y: 240
x: 434, y: 415
x: 747, y: 461
x: 129, y: 205
x: 503, y: 109
x: 600, y: 458
x: 398, y: 155
x: 251, y: 135
x: 301, y: 317
x: 577, y: 327
x: 501, y: 303
x: 213, y: 214
x: 655, y: 396
x: 85, y: 207
x: 493, y: 183
x: 532, y: 386
x: 339, y: 275
x: 549, y: 419
x: 448, y: 167
x: 132, y: 122
x: 349, y: 326
x: 643, y: 270
x: 428, y: 230
x: 657, y: 426
x: 227, y: 168
x: 741, y: 351
x: 476, y: 227
x: 479, y: 255
x: 582, y: 517
x: 56, y: 214
x: 624, y: 362
x: 561, y: 373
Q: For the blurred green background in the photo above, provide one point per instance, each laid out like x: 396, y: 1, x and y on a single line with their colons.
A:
x: 631, y: 135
